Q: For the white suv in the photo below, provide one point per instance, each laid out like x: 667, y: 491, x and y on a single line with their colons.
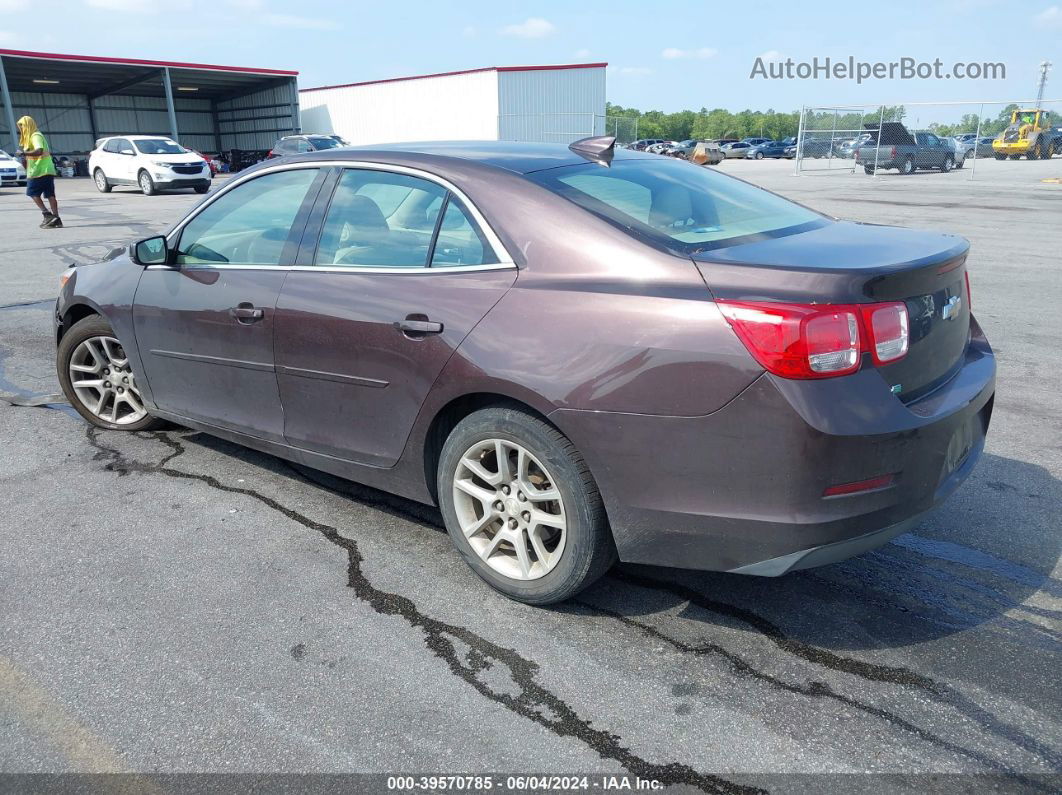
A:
x: 11, y: 171
x: 150, y: 161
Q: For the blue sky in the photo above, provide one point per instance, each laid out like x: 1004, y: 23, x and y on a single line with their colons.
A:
x: 665, y: 56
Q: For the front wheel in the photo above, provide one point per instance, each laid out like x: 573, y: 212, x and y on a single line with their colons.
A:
x: 147, y: 184
x: 96, y: 378
x: 201, y: 188
x: 868, y: 170
x: 947, y: 165
x: 758, y: 156
x: 521, y: 506
x: 102, y: 185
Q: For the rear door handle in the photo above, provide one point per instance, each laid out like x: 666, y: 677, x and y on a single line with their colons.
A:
x: 411, y: 326
x: 246, y: 313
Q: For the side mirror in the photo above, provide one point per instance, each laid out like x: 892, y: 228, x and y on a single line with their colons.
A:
x: 151, y: 251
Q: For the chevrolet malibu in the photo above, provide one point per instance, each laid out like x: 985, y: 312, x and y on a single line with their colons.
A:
x: 577, y: 353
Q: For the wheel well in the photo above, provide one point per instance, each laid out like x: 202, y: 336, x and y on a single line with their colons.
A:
x: 451, y: 414
x: 74, y: 314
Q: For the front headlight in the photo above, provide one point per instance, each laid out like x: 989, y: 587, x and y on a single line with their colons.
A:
x: 160, y: 163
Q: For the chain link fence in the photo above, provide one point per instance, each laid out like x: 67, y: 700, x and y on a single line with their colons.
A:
x: 947, y: 136
x: 564, y: 127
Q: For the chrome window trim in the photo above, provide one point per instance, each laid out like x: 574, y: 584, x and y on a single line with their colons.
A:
x: 396, y: 269
x: 505, y: 259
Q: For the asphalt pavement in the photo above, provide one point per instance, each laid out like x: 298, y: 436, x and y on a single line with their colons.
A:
x: 170, y: 602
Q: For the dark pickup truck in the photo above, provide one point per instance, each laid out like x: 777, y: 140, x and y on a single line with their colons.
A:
x: 894, y: 147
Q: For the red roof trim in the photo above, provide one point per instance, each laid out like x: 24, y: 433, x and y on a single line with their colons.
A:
x: 464, y: 72
x: 52, y: 56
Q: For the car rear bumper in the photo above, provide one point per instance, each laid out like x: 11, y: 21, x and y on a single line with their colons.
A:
x: 742, y: 489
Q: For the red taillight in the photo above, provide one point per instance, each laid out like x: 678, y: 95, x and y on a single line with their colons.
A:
x: 270, y: 154
x: 889, y: 333
x: 860, y: 486
x: 892, y: 153
x: 818, y: 340
x: 969, y: 297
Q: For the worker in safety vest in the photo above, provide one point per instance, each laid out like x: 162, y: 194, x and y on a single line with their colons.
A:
x: 40, y: 171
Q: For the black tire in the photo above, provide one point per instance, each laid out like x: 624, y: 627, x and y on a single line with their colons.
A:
x: 868, y: 170
x: 92, y: 326
x: 201, y: 188
x: 1015, y: 157
x: 758, y: 156
x: 908, y: 166
x: 1048, y: 151
x: 146, y: 183
x: 947, y: 165
x: 103, y: 185
x: 588, y: 550
x: 1000, y: 156
x: 961, y: 163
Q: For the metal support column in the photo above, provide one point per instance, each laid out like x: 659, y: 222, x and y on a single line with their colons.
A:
x: 296, y: 122
x: 169, y: 102
x: 9, y: 109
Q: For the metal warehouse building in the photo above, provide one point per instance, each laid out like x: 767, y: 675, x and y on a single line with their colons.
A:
x: 78, y: 98
x: 559, y: 103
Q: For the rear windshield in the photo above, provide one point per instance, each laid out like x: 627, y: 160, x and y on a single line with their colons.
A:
x: 324, y: 143
x: 159, y: 146
x: 676, y: 204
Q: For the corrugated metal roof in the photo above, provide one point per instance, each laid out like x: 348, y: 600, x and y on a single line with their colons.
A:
x: 544, y: 67
x: 54, y: 56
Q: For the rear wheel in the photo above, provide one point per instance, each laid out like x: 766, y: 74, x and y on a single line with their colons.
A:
x: 521, y: 506
x: 908, y: 166
x: 868, y: 169
x: 1037, y: 152
x: 1000, y: 156
x: 948, y: 164
x: 102, y: 185
x: 96, y: 378
x: 147, y: 184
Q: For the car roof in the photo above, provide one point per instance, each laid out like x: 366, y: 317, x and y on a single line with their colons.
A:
x: 520, y: 158
x: 138, y: 137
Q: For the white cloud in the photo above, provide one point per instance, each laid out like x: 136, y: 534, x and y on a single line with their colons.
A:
x: 631, y: 71
x: 672, y: 53
x: 469, y: 32
x: 299, y: 23
x: 1050, y: 17
x: 7, y: 6
x: 583, y: 53
x: 131, y: 6
x: 530, y: 28
x: 771, y: 56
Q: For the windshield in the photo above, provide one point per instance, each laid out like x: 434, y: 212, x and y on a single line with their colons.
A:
x: 159, y: 146
x: 324, y: 143
x: 676, y: 204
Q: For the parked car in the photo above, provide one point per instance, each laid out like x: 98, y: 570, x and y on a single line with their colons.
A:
x: 769, y: 149
x: 357, y: 312
x: 816, y: 147
x: 211, y: 162
x: 661, y: 147
x: 641, y: 144
x: 151, y: 162
x: 958, y: 151
x: 847, y: 147
x: 755, y: 141
x: 703, y: 153
x: 897, y: 148
x: 301, y: 144
x: 737, y: 149
x: 12, y: 172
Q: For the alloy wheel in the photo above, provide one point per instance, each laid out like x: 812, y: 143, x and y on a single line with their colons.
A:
x: 101, y: 378
x: 510, y: 509
x: 101, y: 181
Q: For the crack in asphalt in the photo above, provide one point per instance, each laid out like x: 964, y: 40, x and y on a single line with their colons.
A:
x: 941, y: 692
x: 533, y: 701
x: 813, y: 689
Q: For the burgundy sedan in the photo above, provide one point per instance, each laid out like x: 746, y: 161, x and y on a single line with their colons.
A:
x: 578, y: 354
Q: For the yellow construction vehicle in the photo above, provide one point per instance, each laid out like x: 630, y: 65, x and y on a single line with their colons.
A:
x: 1029, y: 133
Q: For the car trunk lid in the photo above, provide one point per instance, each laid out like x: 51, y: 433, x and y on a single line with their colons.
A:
x: 853, y: 263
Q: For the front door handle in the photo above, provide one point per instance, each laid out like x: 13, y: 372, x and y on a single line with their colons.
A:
x: 246, y: 313
x: 418, y: 325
